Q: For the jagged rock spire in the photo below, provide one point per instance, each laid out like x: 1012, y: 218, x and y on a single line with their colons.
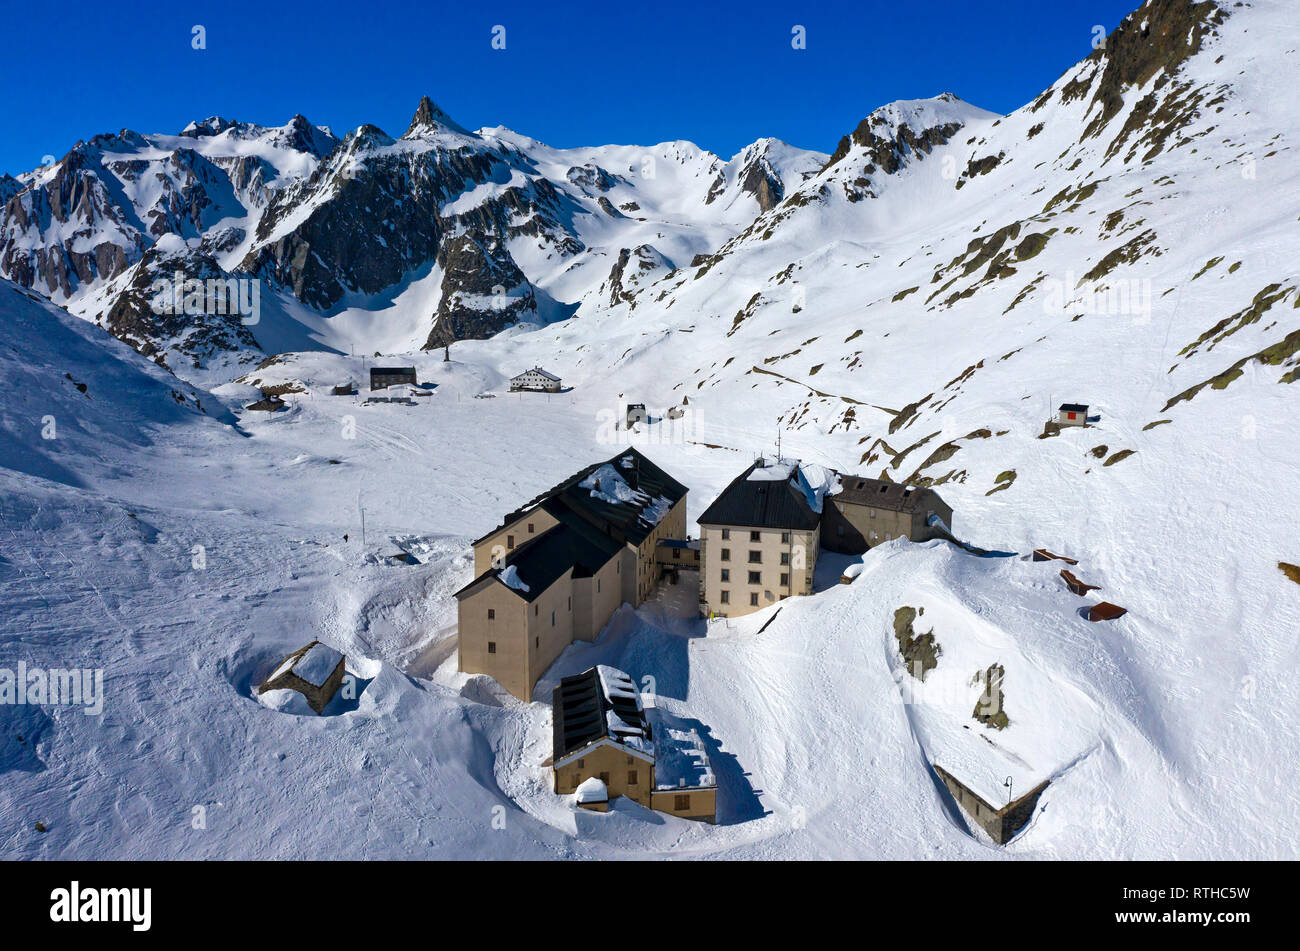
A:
x: 429, y: 116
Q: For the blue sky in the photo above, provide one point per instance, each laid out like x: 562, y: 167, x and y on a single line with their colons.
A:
x: 642, y: 71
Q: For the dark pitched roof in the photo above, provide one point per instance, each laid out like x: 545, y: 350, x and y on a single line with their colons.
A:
x: 1074, y: 407
x: 878, y: 494
x: 542, y: 560
x: 580, y: 707
x: 623, y: 521
x: 392, y: 371
x: 762, y: 503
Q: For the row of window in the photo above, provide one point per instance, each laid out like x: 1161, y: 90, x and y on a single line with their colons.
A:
x: 755, y: 556
x: 755, y: 536
x: 681, y: 801
x: 756, y: 577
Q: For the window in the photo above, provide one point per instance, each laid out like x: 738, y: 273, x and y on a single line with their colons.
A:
x: 726, y: 534
x: 726, y: 597
x: 785, y: 580
x: 579, y: 764
x: 681, y: 803
x: 785, y: 558
x: 726, y: 574
x: 492, y: 614
x: 677, y: 553
x: 726, y: 554
x: 753, y: 599
x: 1071, y: 416
x: 604, y: 778
x: 537, y: 642
x: 492, y: 647
x: 552, y: 619
x: 754, y: 578
x: 510, y: 541
x: 755, y: 556
x: 530, y: 528
x: 570, y: 602
x: 754, y: 536
x: 631, y: 777
x: 537, y: 609
x: 785, y: 538
x: 598, y: 586
x: 871, y: 513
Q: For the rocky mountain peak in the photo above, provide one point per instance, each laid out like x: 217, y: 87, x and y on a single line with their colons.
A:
x: 429, y: 117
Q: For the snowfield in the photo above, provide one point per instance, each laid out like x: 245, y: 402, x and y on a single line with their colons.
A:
x: 155, y: 529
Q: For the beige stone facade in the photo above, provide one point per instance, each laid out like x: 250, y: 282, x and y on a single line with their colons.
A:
x: 502, y: 541
x: 557, y: 569
x: 744, y: 569
x: 869, y: 512
x: 624, y: 772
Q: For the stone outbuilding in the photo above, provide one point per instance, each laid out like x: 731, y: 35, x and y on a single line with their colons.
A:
x: 603, y: 747
x: 868, y: 512
x: 1000, y: 822
x: 315, y: 671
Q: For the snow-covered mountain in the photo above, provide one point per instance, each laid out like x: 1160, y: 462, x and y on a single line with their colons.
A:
x: 454, y: 234
x: 912, y: 305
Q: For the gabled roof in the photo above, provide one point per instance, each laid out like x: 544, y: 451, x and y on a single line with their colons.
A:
x: 541, y: 372
x: 538, y: 563
x: 1074, y: 407
x: 762, y: 503
x: 392, y: 371
x: 601, y: 703
x: 878, y: 494
x: 633, y: 496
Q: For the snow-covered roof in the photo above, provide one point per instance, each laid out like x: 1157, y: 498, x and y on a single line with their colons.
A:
x: 777, y: 494
x: 599, y: 704
x: 539, y: 372
x: 681, y: 761
x: 510, y: 578
x: 316, y: 665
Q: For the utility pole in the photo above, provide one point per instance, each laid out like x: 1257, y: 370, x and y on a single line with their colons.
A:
x: 362, y: 509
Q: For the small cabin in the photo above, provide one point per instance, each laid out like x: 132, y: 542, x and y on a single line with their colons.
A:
x: 537, y: 380
x: 1073, y: 414
x: 315, y: 671
x: 636, y: 413
x: 381, y: 378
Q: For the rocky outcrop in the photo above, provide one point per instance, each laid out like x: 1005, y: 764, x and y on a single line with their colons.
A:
x: 483, y: 291
x: 635, y: 268
x: 178, y: 302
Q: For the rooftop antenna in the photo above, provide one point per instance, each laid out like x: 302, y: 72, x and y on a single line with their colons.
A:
x: 778, y: 442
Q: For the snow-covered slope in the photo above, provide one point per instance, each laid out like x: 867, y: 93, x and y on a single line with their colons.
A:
x: 917, y: 307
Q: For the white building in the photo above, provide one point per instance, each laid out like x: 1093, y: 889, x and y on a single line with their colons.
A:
x: 535, y: 379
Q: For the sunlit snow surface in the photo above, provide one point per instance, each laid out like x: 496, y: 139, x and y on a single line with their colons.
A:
x: 186, y: 553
